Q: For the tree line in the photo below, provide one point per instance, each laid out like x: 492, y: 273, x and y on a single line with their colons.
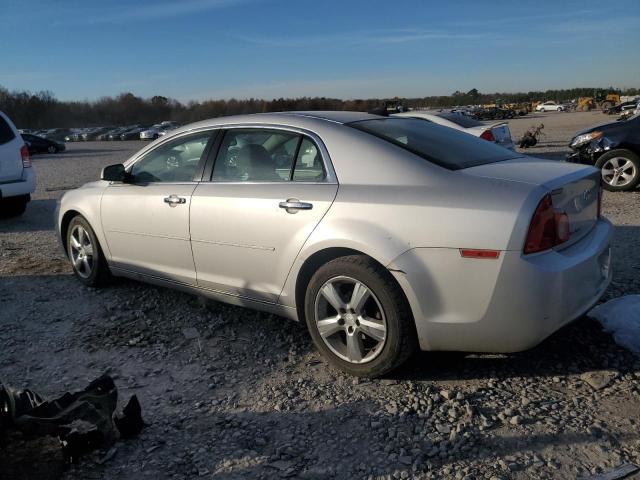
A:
x: 43, y: 110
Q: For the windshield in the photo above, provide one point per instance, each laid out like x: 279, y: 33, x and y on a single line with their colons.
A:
x: 443, y: 146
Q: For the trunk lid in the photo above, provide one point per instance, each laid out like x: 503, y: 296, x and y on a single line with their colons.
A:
x: 574, y: 188
x: 501, y: 133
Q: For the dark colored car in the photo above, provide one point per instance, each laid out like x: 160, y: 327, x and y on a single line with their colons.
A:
x: 133, y: 134
x: 630, y: 105
x: 116, y: 134
x: 105, y: 136
x: 614, y: 148
x: 37, y: 144
x: 74, y: 136
x: 95, y: 133
x: 57, y: 134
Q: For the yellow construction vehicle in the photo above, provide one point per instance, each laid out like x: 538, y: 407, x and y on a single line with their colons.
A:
x: 609, y: 101
x: 585, y: 104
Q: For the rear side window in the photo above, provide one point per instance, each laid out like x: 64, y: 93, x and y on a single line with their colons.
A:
x: 255, y: 155
x: 6, y: 132
x: 443, y: 146
x: 263, y: 155
x: 460, y: 119
x: 309, y: 166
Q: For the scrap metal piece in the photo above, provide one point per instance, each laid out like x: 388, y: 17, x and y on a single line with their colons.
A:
x: 616, y: 474
x: 82, y: 420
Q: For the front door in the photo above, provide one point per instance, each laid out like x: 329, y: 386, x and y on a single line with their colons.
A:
x: 268, y: 192
x: 146, y: 219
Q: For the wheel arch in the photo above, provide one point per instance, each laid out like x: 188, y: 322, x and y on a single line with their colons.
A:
x: 320, y: 258
x: 64, y: 227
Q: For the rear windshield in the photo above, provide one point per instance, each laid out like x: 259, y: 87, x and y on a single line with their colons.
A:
x: 460, y: 119
x: 6, y: 132
x: 443, y: 146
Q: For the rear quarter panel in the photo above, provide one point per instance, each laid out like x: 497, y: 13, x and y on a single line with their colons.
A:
x: 422, y: 205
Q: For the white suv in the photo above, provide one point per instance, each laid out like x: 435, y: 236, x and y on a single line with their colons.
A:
x: 17, y: 178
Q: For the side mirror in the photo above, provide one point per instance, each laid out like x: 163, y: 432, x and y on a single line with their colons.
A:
x: 114, y: 173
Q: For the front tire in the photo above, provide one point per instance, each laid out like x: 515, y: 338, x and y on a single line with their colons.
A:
x: 52, y: 149
x: 358, y: 317
x: 620, y: 170
x: 87, y: 260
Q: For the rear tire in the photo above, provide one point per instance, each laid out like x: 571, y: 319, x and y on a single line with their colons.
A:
x: 52, y: 149
x: 627, y: 166
x: 86, y: 256
x: 14, y: 206
x: 380, y: 323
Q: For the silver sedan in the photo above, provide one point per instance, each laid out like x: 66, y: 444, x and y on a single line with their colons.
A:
x: 383, y: 234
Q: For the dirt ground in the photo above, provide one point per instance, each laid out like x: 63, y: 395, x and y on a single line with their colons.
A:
x: 250, y: 398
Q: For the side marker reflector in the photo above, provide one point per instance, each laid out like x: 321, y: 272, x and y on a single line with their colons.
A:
x: 474, y: 253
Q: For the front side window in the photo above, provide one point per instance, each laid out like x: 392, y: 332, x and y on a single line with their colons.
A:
x: 256, y: 155
x: 174, y: 161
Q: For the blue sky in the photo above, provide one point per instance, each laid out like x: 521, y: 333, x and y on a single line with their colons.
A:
x: 198, y: 49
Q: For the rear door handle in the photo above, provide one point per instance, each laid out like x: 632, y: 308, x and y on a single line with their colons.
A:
x: 292, y: 205
x: 174, y: 200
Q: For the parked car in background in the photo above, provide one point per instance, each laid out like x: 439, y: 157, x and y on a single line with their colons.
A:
x: 56, y: 134
x: 550, y: 107
x: 614, y: 148
x: 383, y: 234
x: 157, y: 130
x: 94, y: 133
x: 17, y: 178
x: 622, y: 107
x: 132, y: 134
x: 37, y: 144
x: 164, y: 131
x: 75, y: 135
x: 498, y: 133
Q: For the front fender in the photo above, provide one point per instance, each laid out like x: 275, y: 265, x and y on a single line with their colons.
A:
x: 86, y: 202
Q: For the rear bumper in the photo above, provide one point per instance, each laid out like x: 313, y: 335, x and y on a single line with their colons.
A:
x: 504, y: 305
x: 25, y: 186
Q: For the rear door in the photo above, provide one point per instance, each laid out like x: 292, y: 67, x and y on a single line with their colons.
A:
x: 10, y: 157
x: 269, y: 189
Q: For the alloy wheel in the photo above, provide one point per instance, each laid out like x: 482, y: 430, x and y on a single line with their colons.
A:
x: 618, y: 172
x: 350, y: 319
x: 81, y: 251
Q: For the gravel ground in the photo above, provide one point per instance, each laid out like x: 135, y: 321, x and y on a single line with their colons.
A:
x: 250, y: 398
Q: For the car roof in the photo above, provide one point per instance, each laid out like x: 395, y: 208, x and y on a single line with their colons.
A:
x: 334, y: 116
x: 300, y: 118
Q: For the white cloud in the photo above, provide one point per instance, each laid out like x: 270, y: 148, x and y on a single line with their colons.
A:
x: 364, y: 38
x: 128, y: 12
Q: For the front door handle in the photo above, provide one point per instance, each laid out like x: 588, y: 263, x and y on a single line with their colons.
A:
x: 174, y: 200
x: 292, y: 205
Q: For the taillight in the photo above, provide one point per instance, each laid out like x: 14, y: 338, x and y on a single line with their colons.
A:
x: 548, y: 227
x: 487, y: 135
x: 24, y: 153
